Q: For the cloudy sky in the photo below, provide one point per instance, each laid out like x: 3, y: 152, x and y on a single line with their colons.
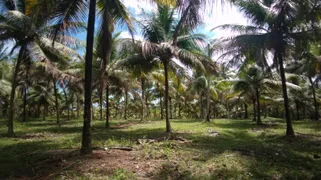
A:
x: 219, y: 15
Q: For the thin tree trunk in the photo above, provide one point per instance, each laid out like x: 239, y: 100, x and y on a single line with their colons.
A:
x: 259, y: 122
x: 86, y: 147
x: 170, y: 108
x: 13, y: 92
x: 107, y: 125
x: 126, y: 102
x: 101, y: 104
x: 67, y: 104
x: 305, y: 110
x: 179, y: 108
x: 168, y: 125
x: 142, y: 80
x: 316, y: 108
x: 289, y: 128
x: 38, y: 111
x: 24, y: 104
x: 297, y: 106
x: 44, y: 113
x: 161, y: 108
x: 78, y: 107
x: 208, y: 101
x: 56, y: 103
x: 246, y: 116
x: 254, y: 110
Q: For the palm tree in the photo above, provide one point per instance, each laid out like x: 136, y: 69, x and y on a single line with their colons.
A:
x: 159, y: 32
x: 250, y: 84
x: 273, y: 31
x: 30, y: 35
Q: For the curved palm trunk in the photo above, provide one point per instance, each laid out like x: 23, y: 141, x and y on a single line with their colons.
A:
x: 316, y: 108
x: 13, y: 92
x: 86, y: 147
x: 57, y: 103
x: 289, y: 128
x: 107, y: 125
x: 259, y: 122
x: 168, y: 125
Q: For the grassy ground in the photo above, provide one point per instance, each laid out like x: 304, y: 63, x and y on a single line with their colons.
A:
x: 223, y: 149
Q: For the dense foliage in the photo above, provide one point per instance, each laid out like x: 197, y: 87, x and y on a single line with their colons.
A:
x: 271, y: 66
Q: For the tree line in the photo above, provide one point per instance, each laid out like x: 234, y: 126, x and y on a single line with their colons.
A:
x: 271, y: 65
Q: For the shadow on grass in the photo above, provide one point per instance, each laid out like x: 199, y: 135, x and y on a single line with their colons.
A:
x: 291, y: 157
x: 15, y: 158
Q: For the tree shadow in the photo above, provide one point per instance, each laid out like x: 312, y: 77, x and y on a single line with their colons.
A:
x: 15, y: 158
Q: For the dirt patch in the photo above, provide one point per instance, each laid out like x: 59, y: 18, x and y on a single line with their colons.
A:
x: 101, y: 162
x: 124, y: 126
x: 212, y: 133
x: 35, y: 136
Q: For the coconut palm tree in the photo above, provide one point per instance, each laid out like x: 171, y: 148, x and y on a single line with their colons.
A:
x: 251, y: 83
x: 158, y: 31
x: 272, y: 31
x: 29, y: 33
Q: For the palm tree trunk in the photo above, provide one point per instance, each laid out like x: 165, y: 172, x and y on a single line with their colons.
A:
x: 161, y: 108
x: 316, y: 108
x: 180, y: 24
x: 101, y: 104
x: 289, y: 128
x: 179, y: 108
x: 208, y: 101
x: 246, y: 116
x: 259, y: 122
x: 168, y: 125
x: 142, y: 80
x: 13, y: 92
x: 305, y: 110
x: 67, y: 104
x: 126, y: 102
x: 170, y: 108
x: 254, y: 110
x: 297, y: 106
x: 78, y: 107
x: 57, y: 103
x: 24, y: 104
x: 86, y: 147
x: 107, y: 125
x: 44, y: 113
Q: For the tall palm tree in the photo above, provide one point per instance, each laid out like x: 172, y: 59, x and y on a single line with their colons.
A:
x: 29, y: 33
x: 158, y: 31
x: 273, y: 31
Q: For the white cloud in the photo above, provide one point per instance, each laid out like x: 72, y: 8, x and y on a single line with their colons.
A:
x: 126, y: 34
x: 219, y: 15
x: 223, y: 14
x: 138, y: 6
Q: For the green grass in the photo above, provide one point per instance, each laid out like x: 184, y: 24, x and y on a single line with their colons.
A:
x: 242, y: 150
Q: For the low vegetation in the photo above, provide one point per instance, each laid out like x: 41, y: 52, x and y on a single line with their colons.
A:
x: 225, y: 148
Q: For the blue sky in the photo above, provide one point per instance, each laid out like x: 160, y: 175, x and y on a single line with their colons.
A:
x: 219, y: 15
